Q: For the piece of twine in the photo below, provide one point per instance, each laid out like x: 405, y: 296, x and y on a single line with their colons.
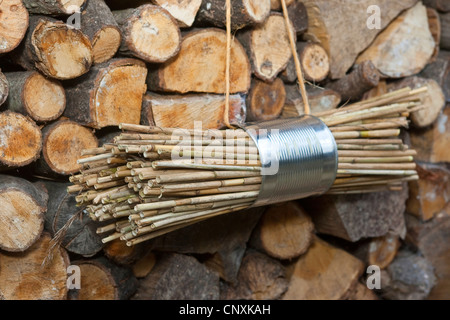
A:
x: 298, y: 69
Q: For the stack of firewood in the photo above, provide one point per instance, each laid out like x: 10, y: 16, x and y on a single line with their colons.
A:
x: 70, y: 76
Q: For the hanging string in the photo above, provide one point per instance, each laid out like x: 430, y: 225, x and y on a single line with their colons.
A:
x: 228, y: 64
x: 298, y: 68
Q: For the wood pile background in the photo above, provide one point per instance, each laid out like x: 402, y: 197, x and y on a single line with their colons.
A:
x: 162, y: 62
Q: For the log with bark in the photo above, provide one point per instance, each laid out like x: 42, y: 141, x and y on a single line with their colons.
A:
x: 21, y: 140
x: 267, y: 46
x: 323, y: 273
x: 103, y: 280
x: 265, y: 101
x: 33, y: 95
x: 72, y: 227
x: 361, y: 79
x: 178, y: 277
x: 342, y: 28
x: 404, y: 47
x: 183, y: 11
x: 55, y: 49
x: 284, y: 232
x: 201, y: 61
x: 445, y: 25
x: 4, y: 88
x: 320, y: 99
x: 14, y: 24
x: 34, y: 274
x: 173, y: 111
x: 409, y: 277
x: 121, y: 254
x: 260, y: 278
x: 244, y: 13
x: 298, y: 15
x: 439, y: 71
x: 432, y: 239
x: 432, y: 142
x: 356, y: 216
x: 99, y: 25
x: 111, y: 93
x: 63, y: 143
x: 149, y: 32
x: 22, y: 212
x: 429, y: 195
x: 53, y: 7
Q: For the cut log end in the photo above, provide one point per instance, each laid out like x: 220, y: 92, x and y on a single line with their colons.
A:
x: 105, y: 44
x: 258, y: 10
x: 315, y: 62
x: 183, y: 11
x: 63, y: 145
x: 14, y: 24
x: 68, y: 6
x: 265, y: 100
x: 21, y: 140
x: 22, y: 220
x: 96, y: 283
x: 23, y: 275
x: 62, y: 52
x: 152, y: 34
x: 44, y: 99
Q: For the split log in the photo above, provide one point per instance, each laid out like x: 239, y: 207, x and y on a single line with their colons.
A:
x: 53, y: 7
x: 434, y: 24
x: 432, y: 239
x: 4, y: 88
x: 178, y: 277
x: 149, y: 32
x: 324, y: 273
x: 36, y: 96
x: 445, y: 25
x: 24, y: 276
x: 21, y: 140
x: 111, y: 93
x: 361, y: 79
x: 183, y: 11
x: 265, y: 101
x: 63, y: 142
x: 103, y: 280
x: 222, y: 240
x: 440, y: 5
x: 429, y: 195
x: 408, y: 277
x: 14, y: 24
x: 99, y: 25
x: 356, y: 216
x: 342, y: 28
x: 267, y: 46
x: 244, y: 13
x: 118, y: 252
x: 404, y: 47
x: 439, y: 71
x: 320, y: 99
x: 173, y: 111
x: 22, y: 212
x: 74, y: 229
x: 432, y: 143
x: 202, y: 62
x: 57, y: 50
x: 144, y: 265
x: 314, y: 61
x: 260, y: 278
x: 284, y: 232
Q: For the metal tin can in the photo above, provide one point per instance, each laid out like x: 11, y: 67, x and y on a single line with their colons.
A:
x: 298, y: 156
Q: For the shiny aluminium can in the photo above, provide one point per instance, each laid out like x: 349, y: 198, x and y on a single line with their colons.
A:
x: 298, y: 156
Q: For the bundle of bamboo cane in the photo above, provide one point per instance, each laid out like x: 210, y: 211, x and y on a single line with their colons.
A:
x: 151, y: 181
